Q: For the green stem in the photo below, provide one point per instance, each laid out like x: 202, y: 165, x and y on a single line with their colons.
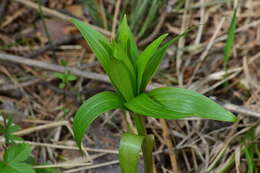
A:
x: 147, y: 145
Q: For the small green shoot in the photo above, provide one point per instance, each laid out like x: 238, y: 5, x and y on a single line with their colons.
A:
x: 130, y: 71
x: 17, y: 156
x: 8, y: 128
x: 251, y: 151
x: 65, y: 77
x: 230, y: 41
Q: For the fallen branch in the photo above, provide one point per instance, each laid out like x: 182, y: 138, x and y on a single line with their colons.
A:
x: 53, y: 67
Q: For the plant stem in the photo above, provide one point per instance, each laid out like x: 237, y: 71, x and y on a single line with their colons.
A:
x: 147, y: 145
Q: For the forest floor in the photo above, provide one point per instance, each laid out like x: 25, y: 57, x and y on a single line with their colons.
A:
x: 37, y: 40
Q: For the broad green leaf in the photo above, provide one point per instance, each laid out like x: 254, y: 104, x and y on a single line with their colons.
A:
x: 175, y: 103
x: 156, y: 59
x: 122, y: 79
x: 17, y: 153
x: 190, y: 102
x: 16, y: 168
x: 145, y: 57
x: 97, y: 42
x: 91, y: 109
x: 230, y: 39
x: 145, y: 105
x: 129, y: 149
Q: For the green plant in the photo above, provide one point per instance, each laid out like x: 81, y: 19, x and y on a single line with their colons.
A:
x: 8, y: 128
x: 17, y: 156
x: 130, y: 70
x: 14, y: 159
x: 230, y: 41
x: 65, y: 77
x: 252, y: 152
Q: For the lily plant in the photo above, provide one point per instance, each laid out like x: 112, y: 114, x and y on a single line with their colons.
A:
x: 130, y: 71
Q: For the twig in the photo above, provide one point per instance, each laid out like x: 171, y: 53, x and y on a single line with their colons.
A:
x: 169, y: 145
x: 93, y: 166
x: 240, y: 109
x: 42, y: 127
x: 118, y: 2
x: 53, y: 13
x: 53, y: 67
x: 22, y: 85
x: 181, y: 44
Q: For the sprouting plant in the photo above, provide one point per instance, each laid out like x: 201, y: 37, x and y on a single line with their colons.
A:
x: 17, y: 156
x: 230, y: 41
x: 130, y: 70
x: 65, y: 77
x: 8, y: 128
x: 252, y: 152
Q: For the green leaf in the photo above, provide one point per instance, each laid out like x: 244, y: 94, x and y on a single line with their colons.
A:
x: 145, y: 105
x: 121, y: 54
x: 156, y: 59
x: 91, y: 109
x: 17, y: 153
x: 8, y: 131
x: 122, y: 79
x: 129, y: 149
x: 230, y: 40
x: 190, y: 102
x: 97, y: 42
x: 175, y: 103
x: 126, y: 39
x: 145, y: 57
x: 71, y: 77
x: 14, y: 157
x: 59, y: 75
x: 62, y: 85
x: 16, y: 168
